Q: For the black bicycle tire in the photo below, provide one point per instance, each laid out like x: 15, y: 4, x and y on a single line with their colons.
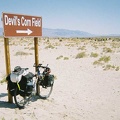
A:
x: 47, y: 96
x: 15, y: 99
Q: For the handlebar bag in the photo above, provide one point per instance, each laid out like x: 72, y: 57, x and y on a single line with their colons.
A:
x: 15, y: 77
x: 17, y: 74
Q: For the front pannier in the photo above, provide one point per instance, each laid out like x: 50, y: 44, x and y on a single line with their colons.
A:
x: 48, y: 80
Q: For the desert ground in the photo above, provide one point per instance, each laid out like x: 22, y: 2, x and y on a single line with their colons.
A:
x: 87, y: 84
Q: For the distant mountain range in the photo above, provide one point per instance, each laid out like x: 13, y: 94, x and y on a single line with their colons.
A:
x: 46, y: 32
x: 65, y: 33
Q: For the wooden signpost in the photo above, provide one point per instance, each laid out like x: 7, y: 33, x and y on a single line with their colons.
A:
x: 17, y: 25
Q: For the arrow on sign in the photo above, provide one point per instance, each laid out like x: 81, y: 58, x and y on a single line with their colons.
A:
x: 28, y: 31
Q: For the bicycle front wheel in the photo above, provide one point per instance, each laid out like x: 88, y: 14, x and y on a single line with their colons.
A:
x: 43, y: 91
x: 20, y: 101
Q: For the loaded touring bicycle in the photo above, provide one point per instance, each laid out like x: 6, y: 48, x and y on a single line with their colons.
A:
x: 23, y: 84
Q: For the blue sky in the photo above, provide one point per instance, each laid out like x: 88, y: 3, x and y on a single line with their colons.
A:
x: 93, y: 16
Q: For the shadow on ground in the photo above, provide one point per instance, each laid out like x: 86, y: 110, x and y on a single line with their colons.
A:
x: 5, y: 104
x: 3, y: 94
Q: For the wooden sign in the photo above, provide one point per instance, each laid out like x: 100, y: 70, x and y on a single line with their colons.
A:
x: 16, y: 25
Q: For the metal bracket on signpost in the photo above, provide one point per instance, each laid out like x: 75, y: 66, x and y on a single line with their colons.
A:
x: 7, y: 60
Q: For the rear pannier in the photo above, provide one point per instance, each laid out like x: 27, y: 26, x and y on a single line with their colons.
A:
x: 26, y: 84
x: 21, y: 77
x: 11, y: 85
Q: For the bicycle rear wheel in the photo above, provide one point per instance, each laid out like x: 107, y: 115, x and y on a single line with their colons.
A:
x: 20, y: 101
x: 43, y: 91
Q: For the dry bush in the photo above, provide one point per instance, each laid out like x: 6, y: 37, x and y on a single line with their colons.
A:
x: 32, y: 48
x: 66, y: 58
x: 81, y: 55
x: 3, y: 79
x: 49, y: 47
x: 94, y: 55
x: 111, y: 67
x: 104, y: 59
x: 22, y: 53
x: 97, y: 63
x: 61, y: 56
x: 82, y: 48
x: 107, y: 50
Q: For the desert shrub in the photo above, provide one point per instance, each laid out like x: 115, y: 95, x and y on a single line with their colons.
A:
x: 95, y: 46
x: 108, y: 67
x: 94, y: 54
x: 70, y: 45
x: 81, y: 48
x: 101, y: 39
x: 115, y: 44
x: 97, y: 63
x: 32, y: 48
x: 22, y: 53
x: 49, y: 46
x: 3, y: 80
x: 60, y: 40
x: 57, y: 44
x: 61, y: 56
x: 113, y: 67
x: 117, y: 68
x: 66, y: 58
x: 26, y: 47
x: 81, y: 55
x: 116, y: 39
x: 3, y: 118
x: 107, y: 50
x: 104, y: 59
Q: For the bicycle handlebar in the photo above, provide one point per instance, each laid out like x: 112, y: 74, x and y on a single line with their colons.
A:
x: 40, y: 65
x: 46, y: 71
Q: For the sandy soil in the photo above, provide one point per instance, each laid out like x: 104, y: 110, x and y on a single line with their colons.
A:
x: 82, y: 90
